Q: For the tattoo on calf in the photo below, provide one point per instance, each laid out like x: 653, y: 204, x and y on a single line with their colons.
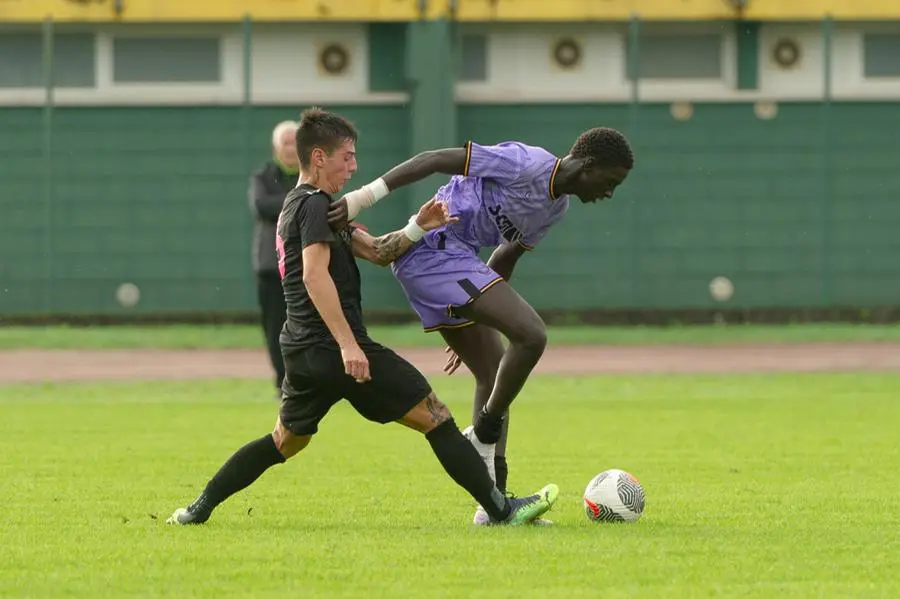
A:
x: 391, y: 246
x: 439, y: 412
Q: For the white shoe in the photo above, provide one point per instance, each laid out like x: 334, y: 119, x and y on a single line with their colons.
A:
x: 486, y: 451
x: 186, y: 516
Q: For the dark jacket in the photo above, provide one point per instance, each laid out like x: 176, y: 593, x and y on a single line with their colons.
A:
x: 268, y: 187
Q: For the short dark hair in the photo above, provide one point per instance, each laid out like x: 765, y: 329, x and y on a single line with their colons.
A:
x: 607, y: 147
x: 321, y: 129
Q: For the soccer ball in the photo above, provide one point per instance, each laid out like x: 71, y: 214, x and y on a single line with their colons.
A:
x: 614, y: 496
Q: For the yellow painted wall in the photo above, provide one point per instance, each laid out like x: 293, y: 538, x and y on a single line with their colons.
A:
x: 20, y: 11
x: 694, y: 10
x: 597, y: 10
x: 849, y: 10
x: 144, y: 11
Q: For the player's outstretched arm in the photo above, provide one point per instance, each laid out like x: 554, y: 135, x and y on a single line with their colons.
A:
x: 448, y: 161
x: 385, y: 249
x: 380, y: 250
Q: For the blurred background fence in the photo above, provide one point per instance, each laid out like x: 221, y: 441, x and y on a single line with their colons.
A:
x: 766, y: 138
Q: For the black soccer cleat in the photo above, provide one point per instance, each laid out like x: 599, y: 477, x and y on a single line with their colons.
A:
x: 196, y: 513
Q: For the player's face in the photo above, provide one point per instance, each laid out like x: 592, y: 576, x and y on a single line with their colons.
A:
x: 340, y: 166
x: 598, y: 184
x: 287, y: 149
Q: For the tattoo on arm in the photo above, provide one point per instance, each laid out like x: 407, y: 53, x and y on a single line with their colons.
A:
x: 389, y: 247
x: 439, y: 412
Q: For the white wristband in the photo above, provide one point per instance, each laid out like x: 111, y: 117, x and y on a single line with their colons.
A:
x: 365, y: 197
x: 378, y: 188
x: 413, y: 230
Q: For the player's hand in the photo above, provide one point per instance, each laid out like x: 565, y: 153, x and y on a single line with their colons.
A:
x: 453, y: 361
x: 433, y: 214
x: 357, y: 225
x: 355, y: 363
x: 337, y: 215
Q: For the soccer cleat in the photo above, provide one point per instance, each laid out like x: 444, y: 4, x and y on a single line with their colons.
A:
x: 486, y: 451
x: 192, y: 514
x: 482, y: 518
x: 525, y: 510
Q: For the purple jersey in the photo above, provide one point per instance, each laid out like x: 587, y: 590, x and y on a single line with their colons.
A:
x: 505, y: 194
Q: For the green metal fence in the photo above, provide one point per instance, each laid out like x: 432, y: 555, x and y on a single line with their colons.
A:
x: 799, y: 210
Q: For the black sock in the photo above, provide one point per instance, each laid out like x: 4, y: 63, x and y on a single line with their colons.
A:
x: 488, y: 428
x: 462, y: 462
x: 241, y: 469
x: 502, y: 472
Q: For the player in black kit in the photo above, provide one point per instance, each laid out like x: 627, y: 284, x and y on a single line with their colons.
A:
x: 327, y: 353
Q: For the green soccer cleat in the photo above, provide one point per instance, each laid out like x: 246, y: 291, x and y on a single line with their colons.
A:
x: 482, y: 518
x: 525, y: 510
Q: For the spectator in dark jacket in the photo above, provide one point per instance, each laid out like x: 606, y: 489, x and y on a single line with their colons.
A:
x: 268, y: 188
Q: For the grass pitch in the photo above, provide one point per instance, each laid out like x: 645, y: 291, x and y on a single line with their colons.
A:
x: 757, y: 486
x: 250, y: 337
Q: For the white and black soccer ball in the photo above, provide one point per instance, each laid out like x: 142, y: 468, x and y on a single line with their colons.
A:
x: 614, y: 496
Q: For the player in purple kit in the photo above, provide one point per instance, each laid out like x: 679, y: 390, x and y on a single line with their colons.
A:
x: 506, y: 196
x: 327, y: 352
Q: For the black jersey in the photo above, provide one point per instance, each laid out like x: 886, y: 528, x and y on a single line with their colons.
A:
x: 303, y: 222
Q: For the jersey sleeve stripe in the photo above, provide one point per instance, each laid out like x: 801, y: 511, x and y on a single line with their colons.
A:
x: 524, y: 246
x: 468, y: 158
x: 553, y: 195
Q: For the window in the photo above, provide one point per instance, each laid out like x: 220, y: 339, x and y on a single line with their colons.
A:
x: 22, y: 60
x: 881, y: 55
x: 166, y: 60
x: 677, y: 57
x: 473, y: 58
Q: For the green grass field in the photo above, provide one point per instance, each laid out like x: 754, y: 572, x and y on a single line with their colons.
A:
x: 240, y: 337
x: 757, y: 486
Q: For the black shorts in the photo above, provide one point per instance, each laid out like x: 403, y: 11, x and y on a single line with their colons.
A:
x: 315, y: 381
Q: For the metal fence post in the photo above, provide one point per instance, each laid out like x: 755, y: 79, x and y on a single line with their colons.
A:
x: 827, y: 162
x: 634, y: 70
x: 47, y: 158
x: 247, y: 99
x: 247, y: 125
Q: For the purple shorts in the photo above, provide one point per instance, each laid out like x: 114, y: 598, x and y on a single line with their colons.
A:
x: 437, y: 279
